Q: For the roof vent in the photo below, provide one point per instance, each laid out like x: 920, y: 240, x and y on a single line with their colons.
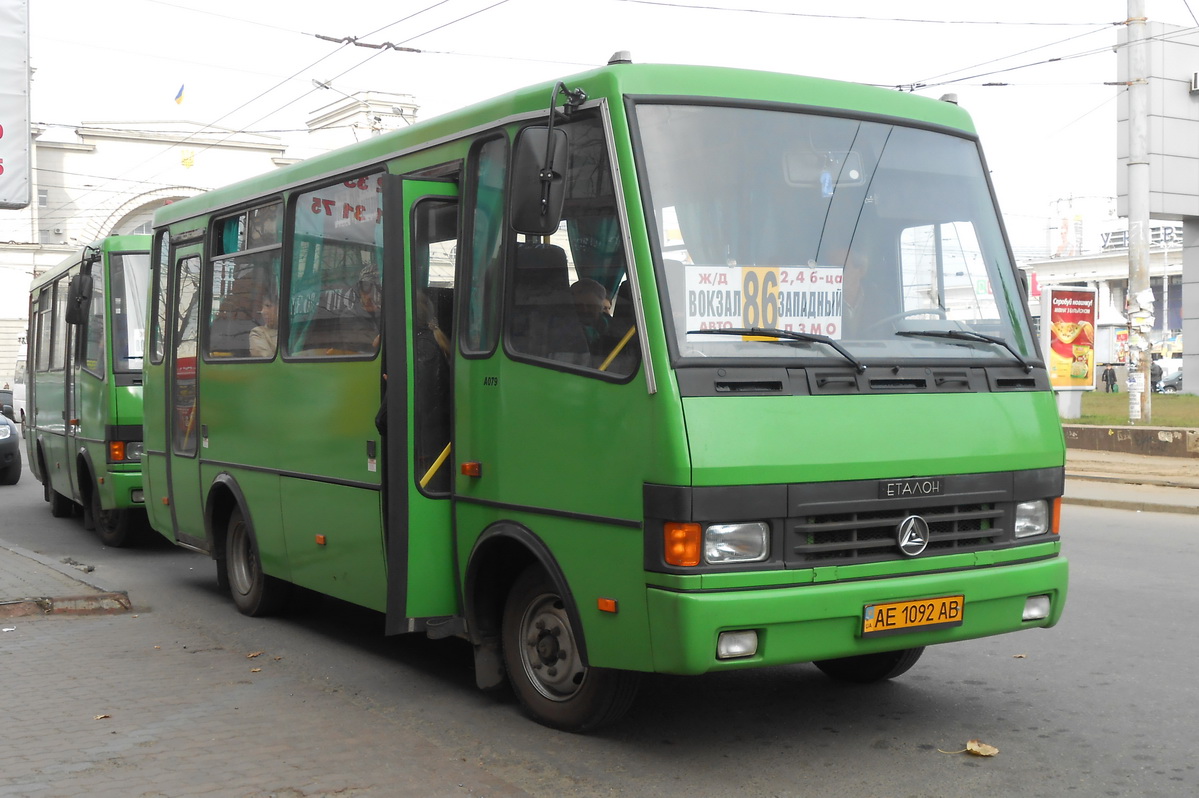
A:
x: 949, y: 98
x: 621, y: 57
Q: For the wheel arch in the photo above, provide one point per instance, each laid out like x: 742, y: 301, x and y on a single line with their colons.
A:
x: 224, y: 495
x: 85, y: 474
x: 499, y: 556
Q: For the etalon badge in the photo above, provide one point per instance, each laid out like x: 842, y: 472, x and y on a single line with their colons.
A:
x: 912, y: 536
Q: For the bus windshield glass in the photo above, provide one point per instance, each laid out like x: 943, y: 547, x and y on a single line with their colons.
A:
x: 129, y: 274
x: 777, y: 231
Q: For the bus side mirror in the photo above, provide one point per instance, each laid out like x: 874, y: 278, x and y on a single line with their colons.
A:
x: 538, y: 187
x: 79, y: 295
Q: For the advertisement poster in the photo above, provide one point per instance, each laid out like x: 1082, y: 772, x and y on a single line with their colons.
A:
x: 1070, y: 328
x: 799, y: 299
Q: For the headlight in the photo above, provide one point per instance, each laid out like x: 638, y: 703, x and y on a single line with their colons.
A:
x: 5, y: 431
x: 1032, y: 518
x: 133, y: 451
x: 749, y: 542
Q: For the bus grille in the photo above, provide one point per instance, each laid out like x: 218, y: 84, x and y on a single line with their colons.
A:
x: 870, y: 536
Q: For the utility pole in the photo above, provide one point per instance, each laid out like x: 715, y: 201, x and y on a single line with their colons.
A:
x: 1139, y: 304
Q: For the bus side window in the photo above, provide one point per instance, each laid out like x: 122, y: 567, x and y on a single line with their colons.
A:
x: 245, y: 285
x: 482, y: 271
x: 570, y: 301
x: 333, y: 309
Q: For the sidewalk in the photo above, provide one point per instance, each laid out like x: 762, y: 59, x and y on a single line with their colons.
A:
x: 1132, y: 481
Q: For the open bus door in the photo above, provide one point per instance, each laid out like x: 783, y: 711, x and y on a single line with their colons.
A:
x: 418, y: 363
x: 182, y: 397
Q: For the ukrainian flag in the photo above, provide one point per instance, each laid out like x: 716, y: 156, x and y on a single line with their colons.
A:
x: 179, y: 96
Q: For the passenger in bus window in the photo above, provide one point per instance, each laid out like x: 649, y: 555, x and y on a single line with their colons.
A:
x: 589, y: 297
x: 265, y: 337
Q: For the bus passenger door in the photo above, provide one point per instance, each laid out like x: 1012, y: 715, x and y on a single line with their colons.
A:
x: 184, y: 433
x: 418, y: 358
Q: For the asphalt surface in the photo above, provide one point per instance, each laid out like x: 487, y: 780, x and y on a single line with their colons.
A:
x: 96, y: 708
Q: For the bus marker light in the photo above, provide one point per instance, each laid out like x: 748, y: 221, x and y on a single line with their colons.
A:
x: 320, y: 540
x: 166, y: 501
x: 472, y: 469
x: 116, y: 451
x: 682, y: 543
x: 606, y: 605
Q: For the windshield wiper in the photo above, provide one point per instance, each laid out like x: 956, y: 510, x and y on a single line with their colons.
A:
x: 789, y: 335
x: 970, y: 335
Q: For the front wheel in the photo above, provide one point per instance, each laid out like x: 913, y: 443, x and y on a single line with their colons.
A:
x: 546, y: 668
x: 116, y: 528
x: 255, y: 593
x: 867, y: 668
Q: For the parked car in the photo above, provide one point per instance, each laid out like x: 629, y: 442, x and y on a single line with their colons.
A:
x: 10, y: 451
x: 1171, y: 384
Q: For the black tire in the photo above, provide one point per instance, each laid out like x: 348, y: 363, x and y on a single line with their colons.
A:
x: 60, y: 506
x: 116, y: 528
x: 868, y: 668
x: 254, y: 593
x: 545, y: 667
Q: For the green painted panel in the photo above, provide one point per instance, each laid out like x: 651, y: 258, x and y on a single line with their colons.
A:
x: 775, y: 439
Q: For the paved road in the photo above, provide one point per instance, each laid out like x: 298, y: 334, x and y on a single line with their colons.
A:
x: 183, y: 696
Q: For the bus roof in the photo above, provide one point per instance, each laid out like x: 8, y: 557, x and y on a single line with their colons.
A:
x: 613, y: 82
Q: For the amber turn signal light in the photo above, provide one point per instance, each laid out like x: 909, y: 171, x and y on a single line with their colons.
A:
x: 682, y: 543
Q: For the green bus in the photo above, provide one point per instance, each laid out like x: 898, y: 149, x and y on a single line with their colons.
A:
x: 84, y: 381
x: 654, y: 369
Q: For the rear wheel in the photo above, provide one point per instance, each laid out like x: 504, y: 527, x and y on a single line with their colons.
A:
x: 60, y: 506
x: 254, y: 593
x: 546, y: 668
x: 868, y: 668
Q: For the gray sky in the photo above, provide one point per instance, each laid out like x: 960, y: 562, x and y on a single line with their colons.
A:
x: 1049, y: 134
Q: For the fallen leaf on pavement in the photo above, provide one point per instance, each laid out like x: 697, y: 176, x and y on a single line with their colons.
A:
x: 255, y: 654
x: 976, y: 747
x: 979, y: 748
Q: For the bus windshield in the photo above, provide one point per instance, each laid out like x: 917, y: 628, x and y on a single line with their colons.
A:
x: 880, y: 237
x: 129, y: 274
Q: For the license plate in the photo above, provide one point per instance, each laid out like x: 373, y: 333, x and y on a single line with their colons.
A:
x: 896, y: 617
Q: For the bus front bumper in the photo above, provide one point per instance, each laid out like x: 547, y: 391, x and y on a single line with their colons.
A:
x: 819, y: 621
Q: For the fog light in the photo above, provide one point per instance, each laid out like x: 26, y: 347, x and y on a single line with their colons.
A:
x: 736, y: 645
x: 1036, y: 608
x: 136, y: 495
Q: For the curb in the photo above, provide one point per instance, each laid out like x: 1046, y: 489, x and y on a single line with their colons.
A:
x: 105, y: 601
x: 99, y: 604
x: 1140, y: 507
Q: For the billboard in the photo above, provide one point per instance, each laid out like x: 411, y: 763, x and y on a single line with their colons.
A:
x: 1068, y: 337
x: 14, y: 104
